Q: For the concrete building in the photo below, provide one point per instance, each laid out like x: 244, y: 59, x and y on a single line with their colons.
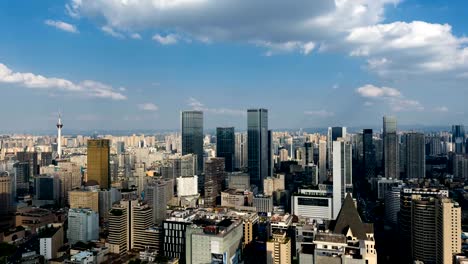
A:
x: 313, y: 204
x: 263, y: 203
x: 240, y: 152
x: 273, y: 184
x: 157, y: 194
x: 50, y: 240
x: 6, y: 196
x: 342, y: 173
x: 279, y: 248
x: 215, y: 177
x: 213, y: 242
x: 239, y: 180
x: 84, y: 199
x: 448, y: 236
x: 392, y: 205
x: 415, y: 155
x: 236, y: 198
x: 322, y: 164
x: 83, y: 225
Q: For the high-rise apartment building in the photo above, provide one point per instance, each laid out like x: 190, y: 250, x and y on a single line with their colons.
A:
x: 415, y: 155
x: 279, y: 248
x: 342, y: 173
x: 225, y: 146
x: 323, y: 175
x: 215, y: 178
x: 192, y: 136
x: 390, y: 148
x: 98, y: 163
x: 257, y: 135
x: 6, y: 198
x: 157, y: 194
x: 448, y: 226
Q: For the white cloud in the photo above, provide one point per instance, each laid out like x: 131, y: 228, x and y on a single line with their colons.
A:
x: 441, y: 109
x: 195, y: 104
x: 415, y: 47
x: 112, y: 32
x: 391, y: 96
x: 290, y: 46
x: 148, y: 107
x: 282, y: 24
x: 370, y: 90
x: 61, y: 25
x: 166, y: 40
x: 35, y: 81
x: 135, y: 36
x: 319, y: 113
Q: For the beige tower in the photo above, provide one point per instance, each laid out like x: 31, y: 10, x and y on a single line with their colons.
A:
x: 84, y: 199
x: 279, y: 249
x: 98, y: 162
x: 5, y: 194
x: 448, y: 224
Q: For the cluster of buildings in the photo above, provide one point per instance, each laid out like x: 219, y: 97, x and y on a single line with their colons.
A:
x: 234, y: 197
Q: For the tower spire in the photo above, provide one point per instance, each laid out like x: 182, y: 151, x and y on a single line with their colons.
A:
x: 59, y: 136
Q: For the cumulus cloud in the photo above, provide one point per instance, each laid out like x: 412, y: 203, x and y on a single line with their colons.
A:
x: 148, y: 107
x: 135, y: 36
x: 35, y: 81
x: 61, y: 25
x: 166, y: 40
x: 112, y: 32
x: 319, y: 113
x: 290, y: 26
x: 415, y: 47
x: 393, y: 97
x: 195, y: 104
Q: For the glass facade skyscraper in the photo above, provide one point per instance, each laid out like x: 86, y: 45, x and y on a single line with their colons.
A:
x: 98, y: 162
x: 257, y: 136
x: 192, y: 136
x: 458, y: 137
x: 391, y: 150
x: 225, y: 145
x: 369, y: 153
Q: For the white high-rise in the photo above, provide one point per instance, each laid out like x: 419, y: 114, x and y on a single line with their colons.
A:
x: 83, y: 225
x: 342, y: 173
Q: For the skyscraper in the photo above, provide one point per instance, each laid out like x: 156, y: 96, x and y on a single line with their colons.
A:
x: 225, y: 145
x: 257, y: 135
x: 333, y: 134
x: 192, y: 136
x: 369, y: 153
x: 323, y: 175
x: 98, y: 162
x: 415, y: 155
x: 5, y: 193
x: 241, y: 151
x: 59, y: 137
x: 342, y: 173
x: 458, y: 137
x: 390, y: 137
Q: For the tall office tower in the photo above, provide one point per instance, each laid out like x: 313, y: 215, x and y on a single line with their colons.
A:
x: 141, y: 220
x: 215, y: 178
x: 435, y: 146
x: 458, y: 138
x: 241, y: 151
x: 415, y: 156
x: 279, y: 248
x: 225, y: 146
x: 271, y: 162
x: 390, y: 148
x: 6, y: 199
x: 323, y: 175
x: 59, y: 137
x: 460, y: 166
x: 83, y: 225
x: 448, y: 224
x: 342, y: 173
x: 46, y: 158
x: 333, y: 134
x: 84, y: 199
x: 392, y: 205
x: 257, y: 135
x: 369, y: 153
x: 98, y: 162
x: 309, y: 153
x: 158, y: 193
x: 192, y: 136
x: 140, y: 177
x: 22, y: 175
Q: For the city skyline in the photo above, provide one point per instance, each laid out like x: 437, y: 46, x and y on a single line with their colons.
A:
x: 115, y: 72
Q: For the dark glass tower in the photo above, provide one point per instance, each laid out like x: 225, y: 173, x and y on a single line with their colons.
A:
x: 391, y: 150
x: 257, y: 136
x: 369, y: 153
x: 225, y: 145
x: 458, y: 137
x: 192, y: 136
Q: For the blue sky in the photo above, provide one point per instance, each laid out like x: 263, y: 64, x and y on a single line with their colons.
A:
x: 127, y: 64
